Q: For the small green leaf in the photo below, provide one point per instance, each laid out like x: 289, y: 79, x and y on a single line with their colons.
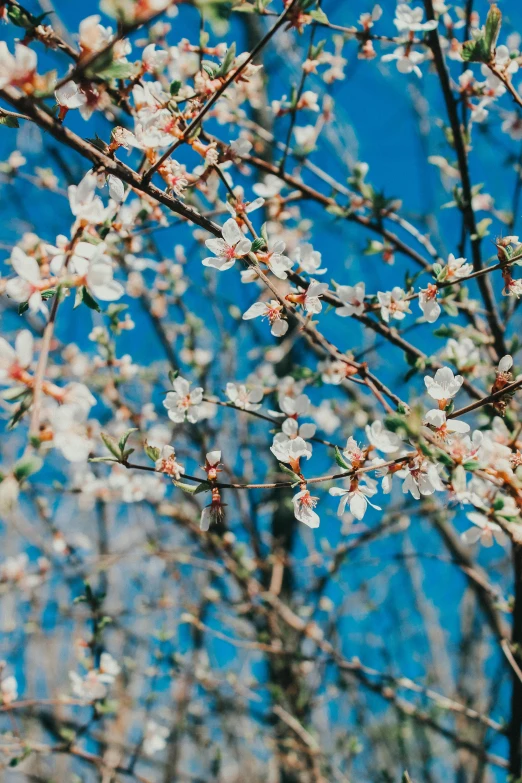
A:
x: 152, y: 452
x: 9, y: 121
x: 190, y: 489
x: 297, y: 479
x: 229, y: 58
x: 125, y: 437
x: 26, y: 466
x: 257, y: 244
x: 111, y: 445
x: 492, y: 28
x: 319, y: 16
x: 340, y: 460
x: 203, y: 487
x: 89, y: 300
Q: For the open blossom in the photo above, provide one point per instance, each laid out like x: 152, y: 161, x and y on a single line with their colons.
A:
x: 512, y: 125
x: 382, y: 439
x: 182, y: 403
x: 155, y: 738
x: 304, y: 505
x: 428, y: 303
x: 421, y: 478
x: 408, y: 19
x: 311, y: 298
x: 393, y: 304
x: 94, y: 266
x: 275, y: 259
x: 89, y: 688
x: 353, y: 453
x: 244, y: 398
x: 92, y: 35
x: 457, y: 267
x: 69, y: 96
x: 358, y: 498
x: 84, y: 204
x: 272, y: 310
x: 17, y: 69
x: 407, y: 59
x: 233, y: 245
x: 294, y: 407
x: 154, y: 59
x: 27, y: 285
x: 166, y: 463
x: 484, y: 530
x: 8, y: 689
x: 444, y: 385
x: 12, y: 360
x: 291, y: 451
x: 333, y: 373
x: 270, y: 187
x: 463, y: 353
x: 238, y: 149
x: 309, y: 259
x: 444, y: 427
x: 352, y: 298
x: 291, y: 429
x: 71, y: 433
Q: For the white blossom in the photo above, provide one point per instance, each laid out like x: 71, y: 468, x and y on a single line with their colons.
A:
x: 273, y: 311
x: 182, y: 403
x: 233, y: 245
x: 352, y: 298
x: 484, y: 530
x: 304, y: 505
x: 357, y: 498
x: 444, y: 385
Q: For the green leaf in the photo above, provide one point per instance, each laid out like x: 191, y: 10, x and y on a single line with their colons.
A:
x: 104, y: 459
x: 340, y: 460
x: 190, y: 489
x: 257, y: 244
x: 475, y: 51
x: 23, y: 307
x: 297, y: 479
x: 203, y: 487
x: 125, y: 437
x: 26, y: 466
x: 9, y: 121
x: 152, y: 452
x: 90, y: 301
x: 111, y: 445
x: 22, y: 18
x: 229, y: 58
x: 173, y: 374
x: 492, y: 27
x: 175, y: 87
x: 319, y: 16
x: 445, y: 459
x: 78, y: 297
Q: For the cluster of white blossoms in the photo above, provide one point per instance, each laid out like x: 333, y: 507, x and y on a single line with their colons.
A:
x: 310, y: 416
x: 95, y: 683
